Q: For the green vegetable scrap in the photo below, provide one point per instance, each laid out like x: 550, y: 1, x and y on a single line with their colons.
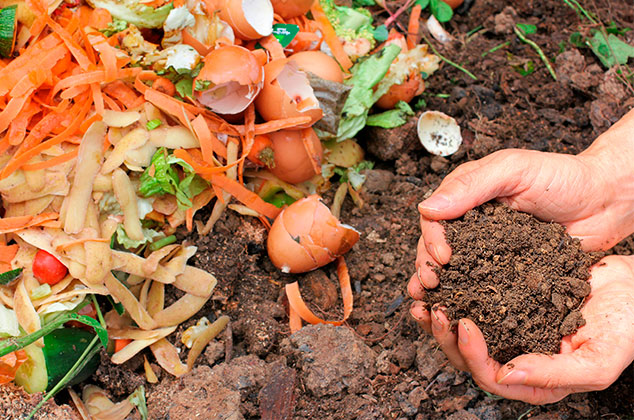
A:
x: 114, y: 27
x: 392, y: 118
x: 8, y: 28
x: 603, y: 49
x: 135, y: 12
x: 365, y: 75
x: 163, y: 176
x: 149, y: 236
x: 441, y: 10
x: 350, y: 24
x: 9, y: 276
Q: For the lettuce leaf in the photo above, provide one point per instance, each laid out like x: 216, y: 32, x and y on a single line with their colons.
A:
x: 149, y: 236
x: 162, y: 177
x: 392, y: 118
x: 365, y: 75
x: 135, y: 12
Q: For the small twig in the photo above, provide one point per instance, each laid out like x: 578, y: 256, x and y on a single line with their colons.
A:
x: 494, y: 49
x: 399, y: 12
x: 526, y: 413
x: 448, y: 61
x: 536, y: 47
x: 579, y: 9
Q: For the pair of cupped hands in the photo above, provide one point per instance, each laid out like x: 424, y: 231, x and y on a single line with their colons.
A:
x: 592, y: 195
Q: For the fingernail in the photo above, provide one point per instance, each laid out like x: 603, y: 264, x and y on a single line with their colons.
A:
x: 417, y: 306
x: 463, y: 332
x: 514, y: 377
x: 435, y: 203
x: 439, y: 325
x: 434, y: 249
x: 419, y: 274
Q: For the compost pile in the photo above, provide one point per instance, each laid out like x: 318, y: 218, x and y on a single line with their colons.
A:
x: 521, y: 280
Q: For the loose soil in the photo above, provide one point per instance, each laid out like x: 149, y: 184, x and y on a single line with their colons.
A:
x: 380, y: 365
x: 521, y: 280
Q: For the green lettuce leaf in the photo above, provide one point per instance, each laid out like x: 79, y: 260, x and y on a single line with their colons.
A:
x: 365, y: 75
x: 392, y: 118
x: 149, y: 236
x: 162, y: 177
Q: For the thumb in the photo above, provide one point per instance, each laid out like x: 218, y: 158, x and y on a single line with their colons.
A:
x: 580, y: 370
x: 474, y: 183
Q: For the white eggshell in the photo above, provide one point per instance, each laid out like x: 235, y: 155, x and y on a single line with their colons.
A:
x: 439, y: 133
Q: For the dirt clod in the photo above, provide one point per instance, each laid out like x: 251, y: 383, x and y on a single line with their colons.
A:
x: 521, y: 280
x: 331, y: 359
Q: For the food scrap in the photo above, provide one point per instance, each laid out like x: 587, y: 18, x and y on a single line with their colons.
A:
x: 121, y: 120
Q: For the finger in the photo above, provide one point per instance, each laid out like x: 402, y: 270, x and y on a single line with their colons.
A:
x: 425, y: 266
x: 484, y: 370
x: 415, y: 288
x: 435, y: 242
x: 499, y: 174
x: 421, y: 315
x: 581, y: 370
x: 447, y: 339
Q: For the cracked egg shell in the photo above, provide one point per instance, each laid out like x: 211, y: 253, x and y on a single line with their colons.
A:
x: 291, y: 8
x: 236, y: 77
x: 287, y: 93
x: 320, y: 64
x: 306, y: 236
x: 249, y: 19
x: 292, y: 160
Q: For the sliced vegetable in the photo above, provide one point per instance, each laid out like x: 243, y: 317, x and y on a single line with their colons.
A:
x: 9, y: 276
x: 47, y: 268
x: 46, y: 365
x: 8, y: 30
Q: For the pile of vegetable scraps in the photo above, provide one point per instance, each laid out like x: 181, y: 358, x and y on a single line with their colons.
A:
x: 121, y: 119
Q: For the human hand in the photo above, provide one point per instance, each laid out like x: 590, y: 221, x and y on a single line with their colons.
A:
x: 590, y: 360
x: 579, y: 192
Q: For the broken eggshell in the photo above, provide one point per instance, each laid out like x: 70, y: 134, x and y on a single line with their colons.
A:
x: 439, y: 133
x: 291, y: 8
x: 306, y: 236
x: 249, y: 19
x: 229, y: 81
x: 287, y: 93
x: 320, y: 64
x: 292, y: 160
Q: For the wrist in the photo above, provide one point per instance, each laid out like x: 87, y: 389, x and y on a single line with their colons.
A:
x: 610, y: 160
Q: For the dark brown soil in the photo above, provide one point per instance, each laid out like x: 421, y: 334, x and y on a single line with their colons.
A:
x: 521, y: 280
x: 380, y: 365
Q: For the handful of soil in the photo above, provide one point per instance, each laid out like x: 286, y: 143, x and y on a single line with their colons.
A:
x: 522, y: 281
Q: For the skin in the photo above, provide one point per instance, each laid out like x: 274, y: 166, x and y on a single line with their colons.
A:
x: 592, y: 195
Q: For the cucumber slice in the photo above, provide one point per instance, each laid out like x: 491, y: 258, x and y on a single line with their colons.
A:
x: 46, y: 366
x: 8, y: 28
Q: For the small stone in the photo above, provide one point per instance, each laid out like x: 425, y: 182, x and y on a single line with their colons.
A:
x: 377, y: 180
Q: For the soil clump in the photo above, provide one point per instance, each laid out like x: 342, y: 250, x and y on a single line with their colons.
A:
x: 521, y: 280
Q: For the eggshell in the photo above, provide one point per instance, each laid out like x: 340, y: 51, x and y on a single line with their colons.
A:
x: 292, y: 162
x: 249, y: 19
x: 406, y: 91
x: 287, y: 93
x: 236, y: 75
x: 306, y: 236
x: 319, y: 63
x: 439, y: 133
x: 291, y: 8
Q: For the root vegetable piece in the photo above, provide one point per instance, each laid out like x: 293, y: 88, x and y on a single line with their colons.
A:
x: 320, y: 64
x: 291, y: 8
x: 293, y: 162
x: 439, y: 133
x: 306, y: 236
x: 287, y: 93
x: 230, y: 80
x: 249, y: 19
